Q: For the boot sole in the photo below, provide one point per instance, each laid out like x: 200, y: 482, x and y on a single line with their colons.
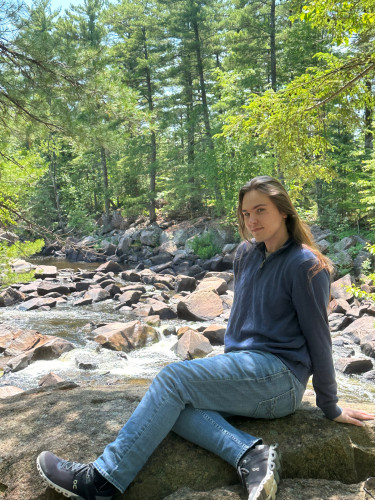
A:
x: 49, y: 483
x: 268, y: 487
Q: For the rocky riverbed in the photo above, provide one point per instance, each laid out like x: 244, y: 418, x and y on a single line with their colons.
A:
x: 108, y: 324
x: 78, y: 348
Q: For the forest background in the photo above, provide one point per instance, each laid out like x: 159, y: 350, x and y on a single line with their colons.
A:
x: 166, y: 107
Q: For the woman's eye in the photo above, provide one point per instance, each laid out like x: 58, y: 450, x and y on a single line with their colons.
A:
x: 260, y: 210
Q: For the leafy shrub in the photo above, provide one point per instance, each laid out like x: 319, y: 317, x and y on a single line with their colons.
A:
x: 204, y: 246
x: 8, y: 253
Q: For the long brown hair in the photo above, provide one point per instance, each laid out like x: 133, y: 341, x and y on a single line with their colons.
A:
x: 298, y: 230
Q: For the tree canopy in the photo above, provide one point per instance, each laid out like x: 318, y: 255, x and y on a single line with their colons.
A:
x: 163, y: 107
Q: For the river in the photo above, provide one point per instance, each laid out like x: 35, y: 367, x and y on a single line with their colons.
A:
x: 111, y: 367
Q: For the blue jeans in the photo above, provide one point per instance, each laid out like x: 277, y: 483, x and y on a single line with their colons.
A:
x: 191, y: 398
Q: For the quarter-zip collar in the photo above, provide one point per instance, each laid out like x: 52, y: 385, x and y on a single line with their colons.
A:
x: 261, y: 248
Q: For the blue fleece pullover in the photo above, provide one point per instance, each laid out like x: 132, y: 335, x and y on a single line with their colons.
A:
x: 279, y: 307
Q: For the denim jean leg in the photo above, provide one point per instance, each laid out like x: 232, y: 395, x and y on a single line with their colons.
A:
x: 210, y: 430
x: 241, y: 383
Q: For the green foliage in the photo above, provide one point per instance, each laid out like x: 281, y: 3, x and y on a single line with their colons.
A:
x: 9, y: 253
x: 204, y: 246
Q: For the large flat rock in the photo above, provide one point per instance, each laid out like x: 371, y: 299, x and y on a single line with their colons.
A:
x: 79, y: 422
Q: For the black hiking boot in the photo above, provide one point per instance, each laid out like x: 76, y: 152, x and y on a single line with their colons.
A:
x: 74, y: 480
x: 259, y: 472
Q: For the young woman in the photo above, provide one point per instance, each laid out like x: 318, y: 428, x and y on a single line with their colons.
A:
x: 277, y: 336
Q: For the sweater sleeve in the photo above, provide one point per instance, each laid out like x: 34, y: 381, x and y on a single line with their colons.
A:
x: 310, y: 297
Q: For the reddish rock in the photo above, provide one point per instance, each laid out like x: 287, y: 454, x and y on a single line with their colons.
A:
x: 368, y: 345
x: 47, y: 287
x: 97, y: 294
x: 45, y: 272
x: 339, y: 288
x: 142, y: 310
x: 9, y: 390
x: 50, y: 379
x: 161, y: 309
x: 109, y: 267
x: 215, y: 334
x: 83, y: 301
x: 153, y: 320
x: 360, y: 328
x: 36, y: 303
x: 340, y: 306
x: 192, y: 345
x: 200, y: 306
x: 48, y: 347
x: 131, y: 276
x: 353, y: 365
x: 213, y: 283
x: 185, y: 283
x: 18, y: 341
x: 130, y: 297
x: 30, y: 287
x: 125, y: 336
x: 112, y: 289
x: 11, y: 296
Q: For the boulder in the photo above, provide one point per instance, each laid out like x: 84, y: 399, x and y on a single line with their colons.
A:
x: 368, y: 345
x: 109, y: 267
x: 200, y: 306
x: 125, y: 336
x: 30, y: 287
x: 161, y: 309
x: 353, y: 365
x: 344, y: 244
x: 76, y: 423
x: 338, y: 288
x: 50, y: 379
x: 131, y: 276
x: 185, y: 283
x: 192, y: 345
x: 215, y: 334
x: 48, y: 348
x: 11, y: 296
x: 130, y: 297
x: 44, y: 272
x: 83, y: 301
x: 37, y: 303
x: 360, y: 328
x: 47, y: 287
x: 213, y: 283
x: 9, y: 390
x: 97, y: 294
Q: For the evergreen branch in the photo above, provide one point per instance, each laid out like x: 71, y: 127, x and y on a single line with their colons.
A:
x: 31, y: 115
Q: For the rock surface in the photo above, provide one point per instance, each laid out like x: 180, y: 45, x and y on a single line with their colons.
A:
x: 77, y: 423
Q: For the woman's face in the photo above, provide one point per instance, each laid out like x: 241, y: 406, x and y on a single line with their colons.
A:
x: 263, y: 220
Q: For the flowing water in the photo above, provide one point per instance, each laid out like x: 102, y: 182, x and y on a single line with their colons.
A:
x: 111, y: 367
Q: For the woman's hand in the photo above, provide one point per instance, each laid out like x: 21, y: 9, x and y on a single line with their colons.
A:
x: 354, y: 417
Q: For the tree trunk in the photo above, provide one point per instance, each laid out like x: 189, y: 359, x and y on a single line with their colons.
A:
x: 152, y: 207
x: 369, y: 138
x: 105, y: 182
x: 206, y: 116
x: 56, y: 194
x: 273, y: 44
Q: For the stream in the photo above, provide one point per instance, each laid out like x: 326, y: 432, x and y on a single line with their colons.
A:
x: 111, y: 367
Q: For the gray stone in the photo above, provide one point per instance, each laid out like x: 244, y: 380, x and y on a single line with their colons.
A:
x: 339, y: 288
x: 313, y: 447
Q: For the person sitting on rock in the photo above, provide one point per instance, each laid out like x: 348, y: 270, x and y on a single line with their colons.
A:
x: 277, y: 336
